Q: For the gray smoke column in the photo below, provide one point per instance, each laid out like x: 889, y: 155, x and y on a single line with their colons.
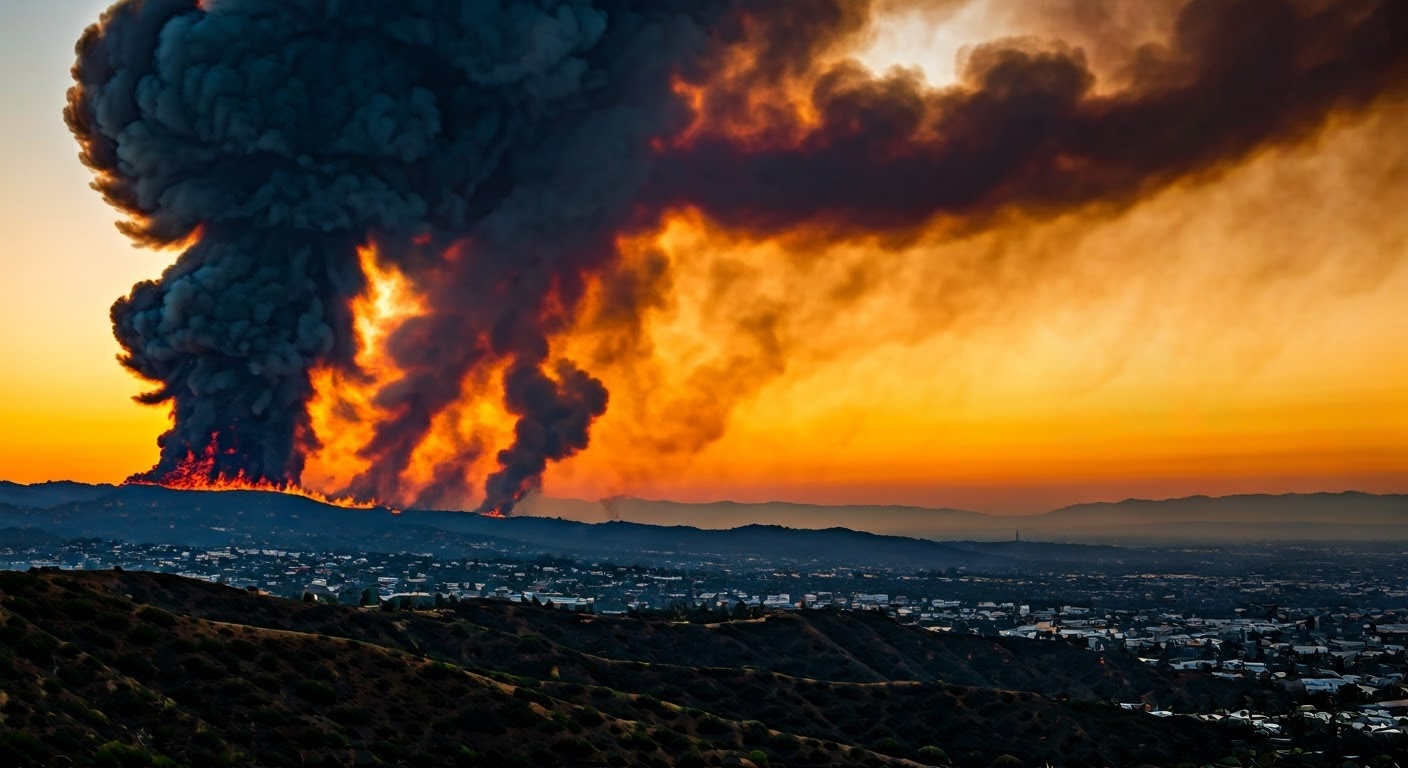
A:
x: 496, y: 151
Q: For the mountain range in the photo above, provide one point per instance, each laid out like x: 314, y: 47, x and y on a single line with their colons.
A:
x: 1348, y: 516
x: 667, y: 533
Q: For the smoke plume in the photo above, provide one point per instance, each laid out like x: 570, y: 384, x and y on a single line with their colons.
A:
x: 498, y: 154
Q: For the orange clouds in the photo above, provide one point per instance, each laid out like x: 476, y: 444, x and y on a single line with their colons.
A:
x: 1242, y: 334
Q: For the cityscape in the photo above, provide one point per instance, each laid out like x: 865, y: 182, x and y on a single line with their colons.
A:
x: 704, y: 384
x: 1325, y: 636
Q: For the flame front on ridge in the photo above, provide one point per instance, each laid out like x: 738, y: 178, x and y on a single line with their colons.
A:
x: 197, y: 473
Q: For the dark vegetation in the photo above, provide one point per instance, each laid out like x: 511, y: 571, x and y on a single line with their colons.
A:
x: 137, y: 669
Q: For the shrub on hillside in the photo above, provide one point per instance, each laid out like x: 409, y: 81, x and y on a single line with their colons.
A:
x: 113, y: 620
x: 153, y: 615
x: 14, y: 582
x: 890, y: 746
x: 932, y: 755
x: 316, y: 692
x: 348, y: 715
x: 244, y: 649
x: 118, y: 755
x: 79, y: 609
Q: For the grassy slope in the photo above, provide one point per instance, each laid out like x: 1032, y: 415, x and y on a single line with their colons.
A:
x: 206, y: 675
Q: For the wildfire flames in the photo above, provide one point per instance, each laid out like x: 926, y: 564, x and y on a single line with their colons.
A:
x: 347, y: 407
x: 343, y: 412
x: 195, y: 475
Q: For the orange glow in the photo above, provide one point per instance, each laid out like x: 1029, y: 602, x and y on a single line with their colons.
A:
x: 1243, y: 333
x: 772, y: 116
x: 1215, y: 339
x: 194, y: 475
x: 1244, y: 336
x: 693, y: 96
x: 463, y: 440
x: 183, y: 245
x: 345, y: 411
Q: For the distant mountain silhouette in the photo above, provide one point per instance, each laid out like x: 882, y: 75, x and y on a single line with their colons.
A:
x: 1350, y: 506
x: 51, y: 493
x: 1290, y: 517
x: 886, y: 519
x: 1348, y: 516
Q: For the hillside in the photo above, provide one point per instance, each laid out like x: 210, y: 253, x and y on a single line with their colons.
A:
x: 853, y: 647
x: 111, y: 668
x: 664, y: 532
x: 146, y: 514
x: 50, y: 494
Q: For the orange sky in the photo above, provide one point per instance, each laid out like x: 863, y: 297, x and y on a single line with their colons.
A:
x: 1257, y: 343
x: 1244, y: 334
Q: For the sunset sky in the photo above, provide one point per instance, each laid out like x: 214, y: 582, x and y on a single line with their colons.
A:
x: 1242, y: 332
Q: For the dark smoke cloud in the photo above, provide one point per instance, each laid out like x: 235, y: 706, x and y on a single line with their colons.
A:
x: 1028, y: 129
x: 286, y: 133
x: 496, y: 151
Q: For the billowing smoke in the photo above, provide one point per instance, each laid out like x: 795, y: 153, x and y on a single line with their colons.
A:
x: 1029, y: 129
x: 280, y: 135
x: 497, y: 152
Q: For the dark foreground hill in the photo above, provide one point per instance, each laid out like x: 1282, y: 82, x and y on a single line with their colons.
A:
x: 142, y: 669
